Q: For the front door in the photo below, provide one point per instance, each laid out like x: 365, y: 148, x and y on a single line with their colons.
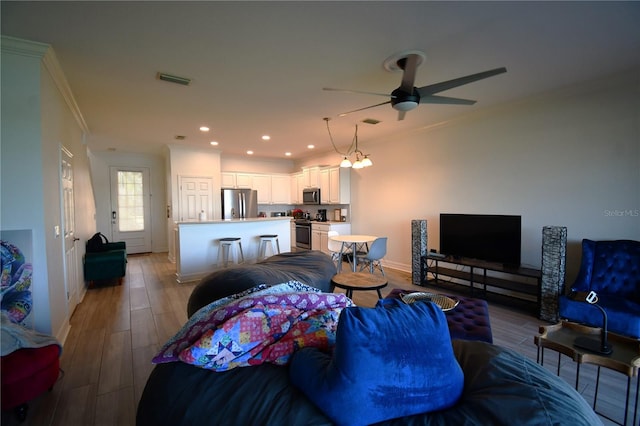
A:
x: 130, y: 210
x: 68, y: 230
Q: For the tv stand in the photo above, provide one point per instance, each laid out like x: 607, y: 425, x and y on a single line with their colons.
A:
x: 514, y: 280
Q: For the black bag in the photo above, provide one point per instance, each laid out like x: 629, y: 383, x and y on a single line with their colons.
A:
x: 97, y: 243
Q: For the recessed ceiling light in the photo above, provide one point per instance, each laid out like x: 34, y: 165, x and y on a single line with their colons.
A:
x: 250, y: 152
x: 288, y: 154
x: 311, y: 146
x: 204, y: 129
x: 214, y: 143
x: 266, y: 137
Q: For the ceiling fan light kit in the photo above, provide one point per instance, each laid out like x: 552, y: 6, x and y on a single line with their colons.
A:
x: 346, y: 162
x: 362, y: 160
x: 407, y: 96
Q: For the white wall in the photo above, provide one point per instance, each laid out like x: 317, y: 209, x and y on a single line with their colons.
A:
x: 192, y: 163
x: 240, y: 164
x: 22, y: 174
x: 37, y: 119
x: 569, y: 158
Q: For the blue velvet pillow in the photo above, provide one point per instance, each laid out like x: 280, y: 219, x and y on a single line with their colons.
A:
x: 390, y: 361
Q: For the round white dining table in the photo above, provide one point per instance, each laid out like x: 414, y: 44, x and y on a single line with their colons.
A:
x: 352, y: 241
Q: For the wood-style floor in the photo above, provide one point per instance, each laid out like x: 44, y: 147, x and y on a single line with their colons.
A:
x: 116, y: 331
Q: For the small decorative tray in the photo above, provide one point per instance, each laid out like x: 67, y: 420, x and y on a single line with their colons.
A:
x: 445, y: 303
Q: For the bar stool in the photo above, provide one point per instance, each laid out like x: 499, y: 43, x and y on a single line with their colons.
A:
x: 275, y: 245
x: 228, y: 244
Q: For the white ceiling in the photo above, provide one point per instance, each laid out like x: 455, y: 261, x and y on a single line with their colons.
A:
x: 259, y: 67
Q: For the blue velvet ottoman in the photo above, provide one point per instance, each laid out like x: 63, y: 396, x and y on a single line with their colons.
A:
x: 467, y: 321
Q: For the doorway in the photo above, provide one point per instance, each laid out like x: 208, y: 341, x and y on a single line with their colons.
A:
x: 196, y: 196
x: 71, y: 280
x: 130, y: 209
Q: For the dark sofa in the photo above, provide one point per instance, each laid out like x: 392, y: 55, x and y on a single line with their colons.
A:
x: 500, y: 386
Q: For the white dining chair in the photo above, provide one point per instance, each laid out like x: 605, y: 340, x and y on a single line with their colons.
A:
x: 373, y: 257
x: 335, y: 248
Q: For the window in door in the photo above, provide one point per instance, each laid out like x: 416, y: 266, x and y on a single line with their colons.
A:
x: 130, y: 201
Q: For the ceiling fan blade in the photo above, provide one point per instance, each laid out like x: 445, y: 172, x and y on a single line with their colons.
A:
x: 450, y: 84
x: 409, y: 66
x: 401, y: 115
x: 444, y: 100
x: 361, y: 109
x: 357, y: 91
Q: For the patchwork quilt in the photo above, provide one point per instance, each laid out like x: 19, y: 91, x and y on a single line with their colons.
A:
x: 261, y: 325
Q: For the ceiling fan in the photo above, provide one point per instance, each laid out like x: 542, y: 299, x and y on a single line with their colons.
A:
x: 407, y: 96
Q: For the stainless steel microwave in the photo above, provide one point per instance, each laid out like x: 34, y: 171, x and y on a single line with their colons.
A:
x: 311, y: 196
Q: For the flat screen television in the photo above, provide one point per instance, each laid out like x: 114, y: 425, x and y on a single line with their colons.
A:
x: 491, y: 238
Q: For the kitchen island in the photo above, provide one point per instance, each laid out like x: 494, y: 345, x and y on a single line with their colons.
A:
x: 197, y: 243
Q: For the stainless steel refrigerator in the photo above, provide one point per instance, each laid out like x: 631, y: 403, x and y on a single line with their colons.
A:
x: 239, y: 203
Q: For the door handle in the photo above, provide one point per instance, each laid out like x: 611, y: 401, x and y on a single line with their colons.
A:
x: 113, y: 215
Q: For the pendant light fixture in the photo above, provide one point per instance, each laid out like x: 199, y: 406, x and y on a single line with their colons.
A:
x: 362, y: 160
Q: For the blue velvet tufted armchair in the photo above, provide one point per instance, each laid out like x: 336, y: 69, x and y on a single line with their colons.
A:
x: 612, y: 270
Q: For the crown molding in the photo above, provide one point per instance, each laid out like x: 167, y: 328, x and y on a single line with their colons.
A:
x: 45, y: 52
x: 52, y: 65
x: 22, y: 47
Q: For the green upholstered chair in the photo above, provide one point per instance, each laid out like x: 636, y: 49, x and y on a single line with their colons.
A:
x: 108, y: 264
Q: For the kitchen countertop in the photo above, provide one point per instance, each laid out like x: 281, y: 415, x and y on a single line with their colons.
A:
x: 222, y: 221
x: 329, y: 222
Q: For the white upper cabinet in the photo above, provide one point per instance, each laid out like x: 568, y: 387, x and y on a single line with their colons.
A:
x: 296, y: 189
x: 244, y: 180
x: 280, y: 189
x: 335, y: 185
x: 227, y: 180
x: 235, y: 180
x: 311, y: 177
x: 262, y: 184
x: 272, y: 188
x: 325, y: 187
x: 298, y: 183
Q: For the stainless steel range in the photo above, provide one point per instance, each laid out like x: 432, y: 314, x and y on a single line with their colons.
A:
x: 303, y: 233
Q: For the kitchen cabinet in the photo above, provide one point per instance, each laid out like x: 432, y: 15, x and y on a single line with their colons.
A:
x: 227, y: 180
x: 297, y: 185
x: 335, y: 185
x: 244, y: 180
x: 272, y: 188
x: 324, y: 186
x: 319, y: 238
x: 296, y: 190
x: 320, y: 234
x: 262, y: 184
x: 311, y: 177
x: 235, y: 180
x: 280, y: 189
x: 293, y: 235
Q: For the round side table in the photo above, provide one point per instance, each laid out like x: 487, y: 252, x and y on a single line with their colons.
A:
x: 351, y: 281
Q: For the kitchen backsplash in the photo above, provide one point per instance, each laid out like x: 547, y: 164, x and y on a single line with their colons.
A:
x: 267, y: 209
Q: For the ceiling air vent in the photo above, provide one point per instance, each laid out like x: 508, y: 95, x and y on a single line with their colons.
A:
x: 173, y: 79
x: 180, y: 137
x: 370, y: 121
